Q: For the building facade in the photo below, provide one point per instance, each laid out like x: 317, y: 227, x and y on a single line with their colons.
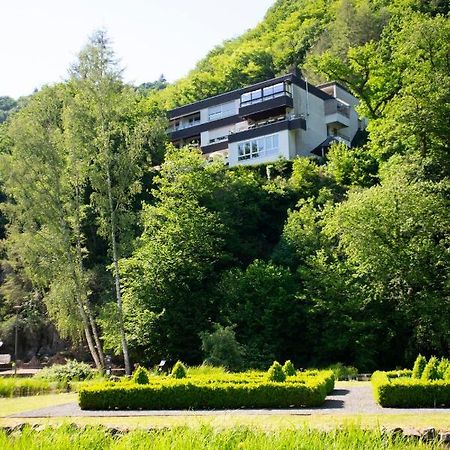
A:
x: 284, y: 117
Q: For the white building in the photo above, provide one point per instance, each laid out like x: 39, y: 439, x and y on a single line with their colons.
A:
x: 283, y: 117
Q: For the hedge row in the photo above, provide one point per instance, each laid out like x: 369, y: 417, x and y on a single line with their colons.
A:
x: 194, y: 394
x: 403, y: 392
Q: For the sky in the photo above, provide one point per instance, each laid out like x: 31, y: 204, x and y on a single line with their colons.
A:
x: 41, y: 38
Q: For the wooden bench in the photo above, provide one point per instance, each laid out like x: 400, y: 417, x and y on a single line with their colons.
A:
x: 5, y: 362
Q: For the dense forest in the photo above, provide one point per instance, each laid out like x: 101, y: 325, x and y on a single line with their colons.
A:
x: 119, y: 243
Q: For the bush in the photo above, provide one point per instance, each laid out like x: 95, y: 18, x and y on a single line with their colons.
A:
x: 419, y: 365
x: 447, y: 374
x: 289, y: 369
x: 431, y: 371
x: 179, y: 370
x: 342, y: 372
x: 71, y: 371
x: 406, y: 392
x: 222, y: 349
x: 275, y: 373
x: 233, y: 391
x: 444, y: 364
x: 141, y: 376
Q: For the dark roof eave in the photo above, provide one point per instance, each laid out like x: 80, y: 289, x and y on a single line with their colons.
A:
x: 236, y: 94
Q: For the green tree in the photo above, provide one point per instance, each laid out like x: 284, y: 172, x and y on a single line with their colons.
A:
x: 394, y: 238
x: 105, y: 121
x: 45, y: 183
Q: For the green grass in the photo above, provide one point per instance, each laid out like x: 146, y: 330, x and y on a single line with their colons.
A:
x: 206, y: 371
x: 17, y: 405
x: 19, y: 387
x: 204, y: 437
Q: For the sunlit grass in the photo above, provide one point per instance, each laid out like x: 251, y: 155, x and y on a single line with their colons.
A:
x: 19, y: 404
x: 267, y: 422
x: 205, y: 437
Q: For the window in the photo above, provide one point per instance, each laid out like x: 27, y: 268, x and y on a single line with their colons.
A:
x: 255, y: 148
x: 276, y: 90
x: 193, y: 120
x: 221, y: 111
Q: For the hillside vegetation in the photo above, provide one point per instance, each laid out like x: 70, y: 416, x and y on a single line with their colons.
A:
x: 345, y: 259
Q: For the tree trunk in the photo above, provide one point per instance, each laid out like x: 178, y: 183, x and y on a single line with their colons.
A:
x: 88, y: 311
x: 126, y: 357
x: 98, y: 343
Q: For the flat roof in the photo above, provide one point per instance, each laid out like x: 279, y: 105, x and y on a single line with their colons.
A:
x: 235, y: 94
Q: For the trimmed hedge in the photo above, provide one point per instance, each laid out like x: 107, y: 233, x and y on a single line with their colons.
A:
x: 405, y: 392
x: 195, y: 393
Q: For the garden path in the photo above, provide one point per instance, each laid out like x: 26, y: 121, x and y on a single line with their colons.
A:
x: 345, y: 399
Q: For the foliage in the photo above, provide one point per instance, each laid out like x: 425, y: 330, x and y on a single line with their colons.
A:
x: 205, y: 437
x: 221, y: 348
x: 21, y: 387
x: 276, y: 372
x: 431, y: 370
x: 179, y: 370
x: 261, y: 302
x: 205, y: 370
x: 289, y: 369
x: 443, y: 368
x: 222, y: 393
x: 419, y: 365
x: 72, y: 370
x: 409, y: 392
x: 141, y: 376
x: 342, y: 372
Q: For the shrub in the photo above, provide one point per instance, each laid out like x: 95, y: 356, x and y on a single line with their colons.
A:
x: 431, y: 371
x: 222, y: 349
x: 289, y: 369
x: 72, y: 370
x: 141, y: 376
x: 342, y: 372
x: 232, y: 391
x: 447, y: 374
x: 179, y: 370
x: 419, y: 365
x: 275, y: 373
x: 444, y: 364
x: 410, y: 392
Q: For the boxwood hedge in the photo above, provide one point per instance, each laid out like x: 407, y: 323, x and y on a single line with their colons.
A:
x: 197, y: 393
x: 405, y: 392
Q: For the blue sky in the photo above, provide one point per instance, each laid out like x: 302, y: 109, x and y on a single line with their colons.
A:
x: 41, y: 38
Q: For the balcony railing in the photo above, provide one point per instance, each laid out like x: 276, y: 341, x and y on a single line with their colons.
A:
x: 263, y: 94
x: 336, y: 106
x: 184, y: 126
x: 270, y: 121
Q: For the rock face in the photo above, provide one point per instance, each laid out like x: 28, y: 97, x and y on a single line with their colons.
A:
x: 444, y: 437
x: 425, y: 435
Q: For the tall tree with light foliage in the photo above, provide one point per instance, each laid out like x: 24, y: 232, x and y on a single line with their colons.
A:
x: 106, y: 120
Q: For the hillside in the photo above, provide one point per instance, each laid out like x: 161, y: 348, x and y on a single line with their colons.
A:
x: 343, y: 259
x: 291, y: 34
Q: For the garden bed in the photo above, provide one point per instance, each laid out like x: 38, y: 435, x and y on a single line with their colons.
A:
x: 228, y: 391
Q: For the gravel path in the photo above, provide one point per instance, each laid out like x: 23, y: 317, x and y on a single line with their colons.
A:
x: 351, y: 400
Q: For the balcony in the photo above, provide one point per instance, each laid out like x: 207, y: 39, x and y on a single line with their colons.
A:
x: 269, y: 126
x: 271, y: 100
x: 337, y: 113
